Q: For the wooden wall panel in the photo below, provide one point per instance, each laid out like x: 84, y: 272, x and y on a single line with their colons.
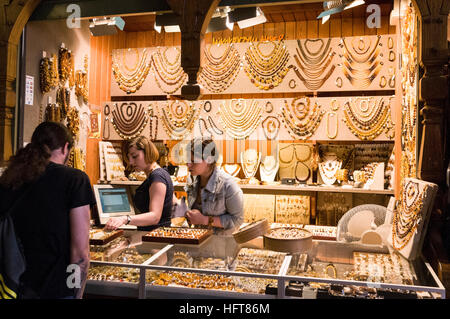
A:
x: 306, y: 26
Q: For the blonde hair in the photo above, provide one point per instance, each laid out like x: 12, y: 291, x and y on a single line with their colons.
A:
x: 142, y: 143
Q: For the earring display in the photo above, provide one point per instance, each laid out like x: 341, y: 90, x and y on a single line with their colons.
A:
x: 240, y: 117
x: 169, y: 72
x: 293, y: 209
x: 178, y: 118
x: 218, y: 73
x: 301, y: 118
x: 112, y: 155
x: 314, y: 66
x: 130, y: 78
x: 367, y: 118
x: 266, y: 70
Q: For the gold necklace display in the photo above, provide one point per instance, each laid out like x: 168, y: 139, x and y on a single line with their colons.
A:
x: 65, y: 63
x: 45, y: 81
x: 361, y: 64
x: 240, y: 117
x: 129, y: 119
x: 408, y: 215
x: 81, y: 81
x: 250, y: 160
x: 313, y: 66
x: 268, y: 169
x: 73, y: 122
x: 301, y: 118
x: 295, y: 164
x: 367, y: 118
x: 131, y: 79
x: 271, y: 127
x: 170, y: 73
x: 266, y: 71
x: 220, y: 72
x: 178, y: 118
x: 63, y: 100
x: 328, y: 169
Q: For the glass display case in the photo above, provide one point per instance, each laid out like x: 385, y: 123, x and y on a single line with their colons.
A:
x: 220, y: 267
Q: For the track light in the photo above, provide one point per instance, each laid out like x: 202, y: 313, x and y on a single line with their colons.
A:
x: 247, y: 17
x: 336, y: 6
x: 169, y: 21
x: 106, y: 26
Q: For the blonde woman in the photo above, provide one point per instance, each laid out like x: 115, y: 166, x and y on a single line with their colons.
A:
x: 153, y: 198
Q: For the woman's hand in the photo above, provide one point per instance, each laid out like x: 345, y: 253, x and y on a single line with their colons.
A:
x: 115, y: 222
x: 195, y: 217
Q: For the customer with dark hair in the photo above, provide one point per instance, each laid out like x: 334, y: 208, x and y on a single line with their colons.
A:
x: 154, y: 196
x: 214, y: 198
x: 52, y: 221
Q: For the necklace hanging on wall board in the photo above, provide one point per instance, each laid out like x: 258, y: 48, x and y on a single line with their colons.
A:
x: 130, y: 79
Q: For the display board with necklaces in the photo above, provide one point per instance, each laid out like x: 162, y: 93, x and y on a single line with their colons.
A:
x: 320, y: 64
x: 295, y: 161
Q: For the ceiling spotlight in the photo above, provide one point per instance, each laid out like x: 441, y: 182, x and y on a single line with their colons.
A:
x: 336, y: 6
x: 106, y: 26
x: 169, y: 21
x: 219, y: 24
x: 247, y: 17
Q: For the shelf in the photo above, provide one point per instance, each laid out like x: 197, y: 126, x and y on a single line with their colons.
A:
x: 281, y: 189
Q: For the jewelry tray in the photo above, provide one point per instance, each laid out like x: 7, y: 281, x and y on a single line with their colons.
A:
x: 251, y: 231
x: 160, y: 238
x: 108, y: 236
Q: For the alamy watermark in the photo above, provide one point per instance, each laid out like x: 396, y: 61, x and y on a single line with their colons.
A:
x: 73, y: 20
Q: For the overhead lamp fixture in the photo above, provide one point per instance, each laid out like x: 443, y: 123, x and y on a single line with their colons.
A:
x: 336, y: 6
x: 167, y: 20
x: 247, y: 17
x: 219, y: 24
x: 106, y: 25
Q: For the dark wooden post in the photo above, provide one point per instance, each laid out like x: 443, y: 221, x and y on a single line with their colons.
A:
x: 194, y: 17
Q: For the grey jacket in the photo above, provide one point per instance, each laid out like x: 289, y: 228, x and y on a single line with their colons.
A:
x: 221, y: 197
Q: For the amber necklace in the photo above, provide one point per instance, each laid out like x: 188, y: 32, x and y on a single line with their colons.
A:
x: 266, y: 71
x: 271, y: 127
x: 240, y: 117
x: 178, y: 118
x: 65, y: 64
x: 169, y: 75
x: 129, y: 119
x: 44, y: 75
x: 300, y: 118
x: 131, y: 79
x: 220, y: 72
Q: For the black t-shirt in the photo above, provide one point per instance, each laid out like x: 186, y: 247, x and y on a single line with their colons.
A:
x: 142, y: 197
x: 42, y: 224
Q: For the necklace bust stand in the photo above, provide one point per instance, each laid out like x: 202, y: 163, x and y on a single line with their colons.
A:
x: 268, y: 169
x: 376, y: 180
x: 328, y: 168
x: 250, y: 160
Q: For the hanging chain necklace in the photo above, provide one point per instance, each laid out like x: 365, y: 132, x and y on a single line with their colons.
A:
x: 131, y: 79
x: 239, y: 118
x: 271, y: 127
x: 300, y: 118
x: 129, y: 119
x: 408, y: 215
x: 266, y: 71
x: 313, y: 64
x: 220, y: 72
x: 170, y: 74
x: 368, y: 122
x: 178, y: 118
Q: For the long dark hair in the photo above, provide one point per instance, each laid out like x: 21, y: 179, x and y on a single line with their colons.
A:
x: 30, y: 162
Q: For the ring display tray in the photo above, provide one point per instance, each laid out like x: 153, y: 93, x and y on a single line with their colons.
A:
x: 101, y: 237
x: 177, y: 235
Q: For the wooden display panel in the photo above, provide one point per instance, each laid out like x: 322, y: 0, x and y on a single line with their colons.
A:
x: 206, y: 233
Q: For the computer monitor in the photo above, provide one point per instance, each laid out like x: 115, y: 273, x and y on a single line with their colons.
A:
x: 113, y: 201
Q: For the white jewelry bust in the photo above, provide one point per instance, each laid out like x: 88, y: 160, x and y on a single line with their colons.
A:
x: 250, y: 160
x: 268, y: 169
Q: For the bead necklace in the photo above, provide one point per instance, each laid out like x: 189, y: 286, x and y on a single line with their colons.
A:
x: 81, y: 82
x: 63, y: 100
x: 271, y: 127
x: 360, y: 57
x: 65, y: 64
x: 200, y: 121
x: 131, y: 79
x: 332, y: 114
x: 214, y: 126
x: 239, y: 118
x: 106, y: 112
x: 328, y: 171
x: 54, y: 71
x: 178, y: 127
x: 52, y: 113
x: 266, y: 71
x: 268, y: 169
x: 220, y: 72
x: 131, y: 122
x: 301, y: 124
x: 44, y: 75
x: 170, y: 73
x: 72, y: 71
x: 73, y: 122
x: 250, y: 160
x: 408, y: 215
x: 367, y: 125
